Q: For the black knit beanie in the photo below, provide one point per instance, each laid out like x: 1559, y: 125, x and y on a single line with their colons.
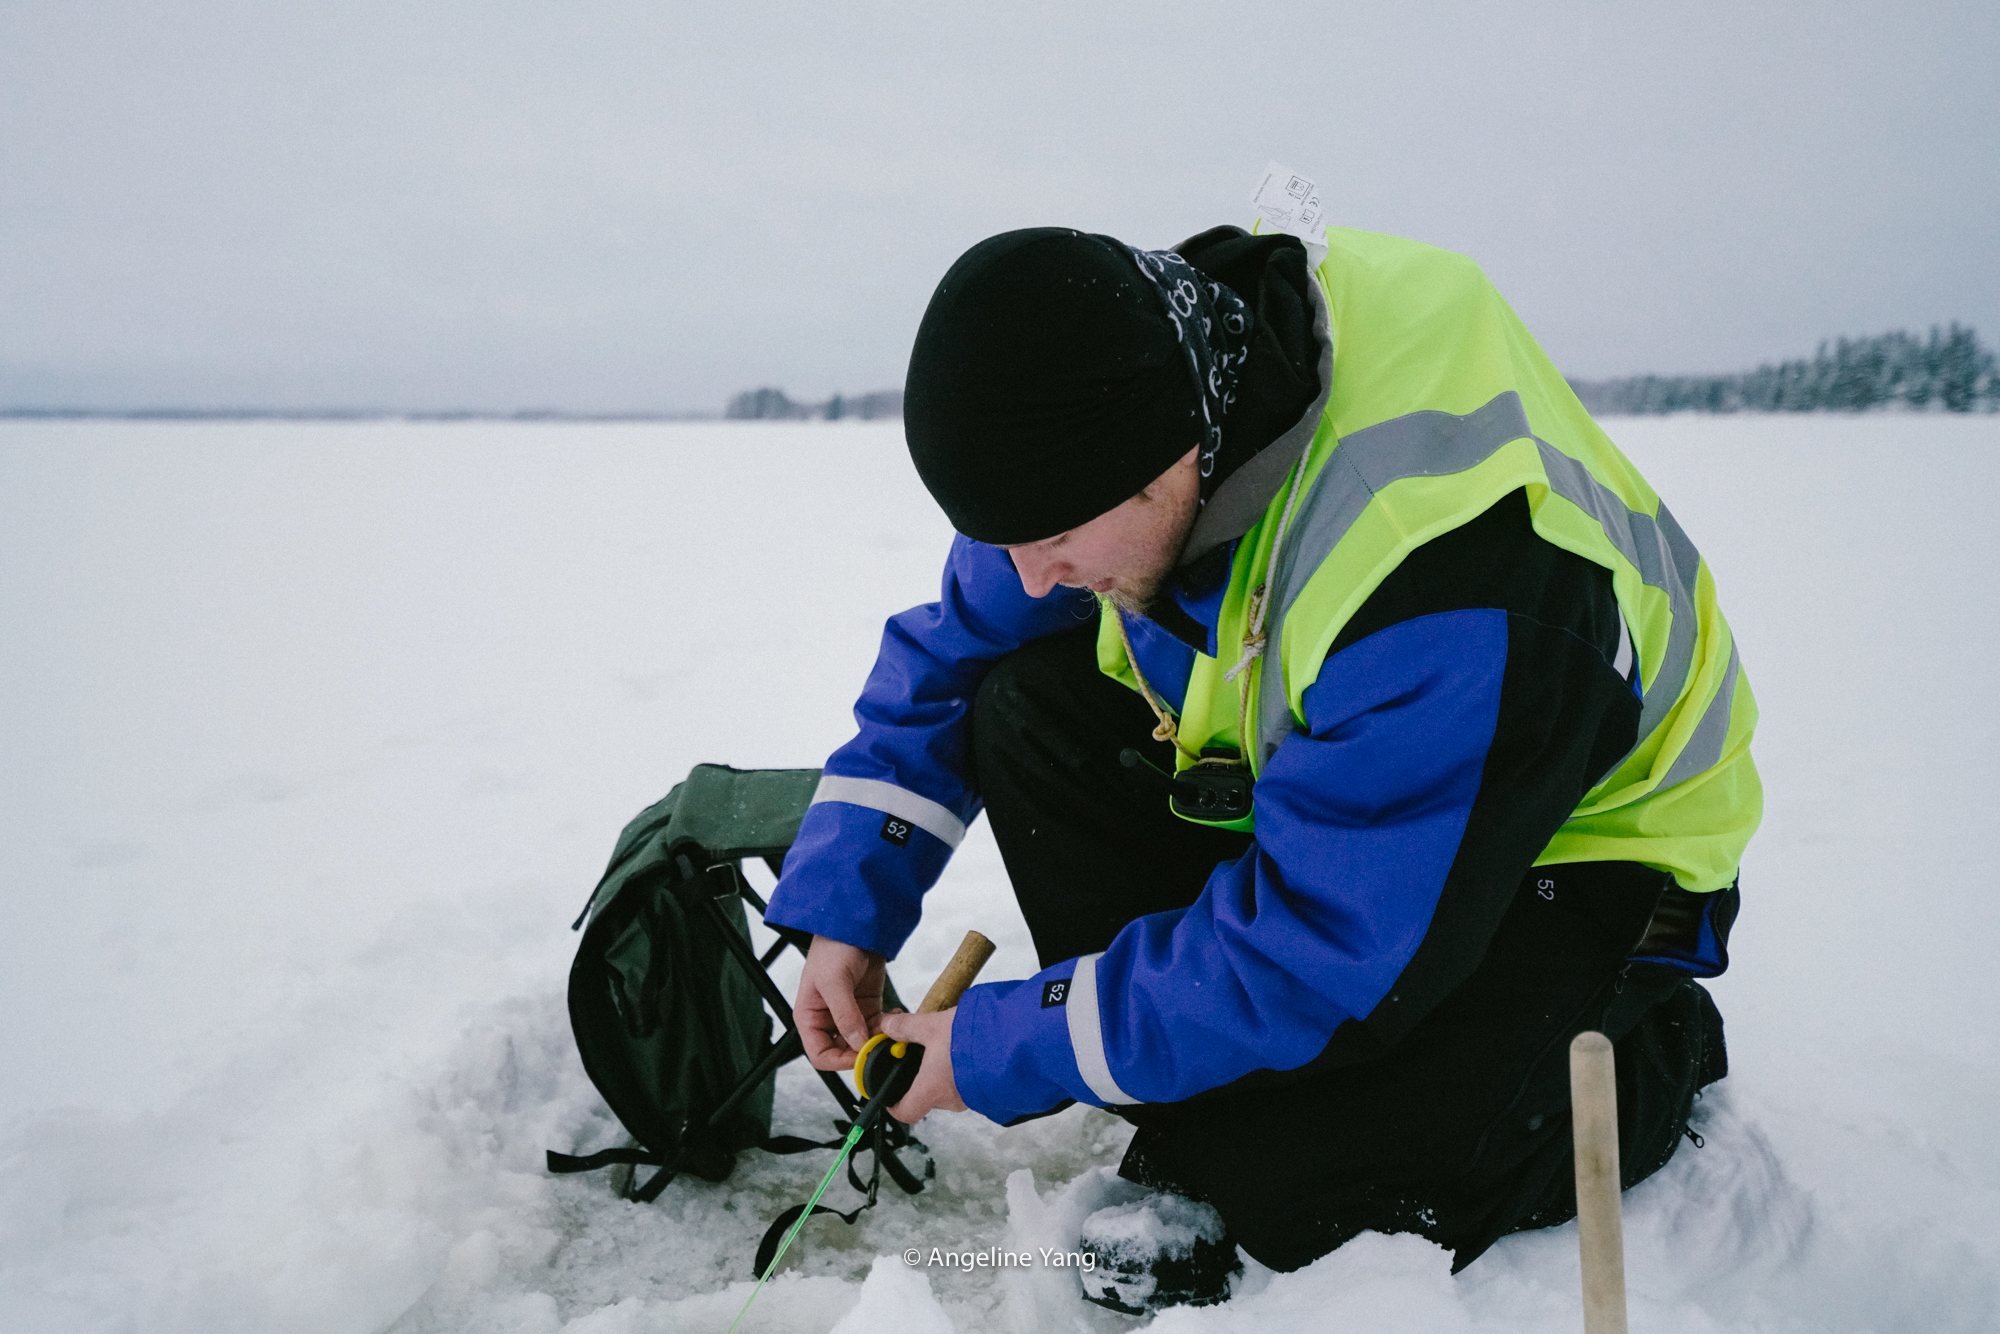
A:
x: 1046, y: 386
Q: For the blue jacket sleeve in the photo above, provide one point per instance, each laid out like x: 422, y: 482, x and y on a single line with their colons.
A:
x: 1359, y: 819
x: 895, y: 801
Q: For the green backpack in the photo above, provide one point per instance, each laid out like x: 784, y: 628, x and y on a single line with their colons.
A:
x: 667, y: 995
x: 669, y: 1027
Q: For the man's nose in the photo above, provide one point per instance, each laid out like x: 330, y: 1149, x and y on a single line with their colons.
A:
x: 1039, y: 573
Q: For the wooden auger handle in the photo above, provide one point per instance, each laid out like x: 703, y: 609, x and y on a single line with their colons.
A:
x: 973, y: 952
x: 1600, y: 1227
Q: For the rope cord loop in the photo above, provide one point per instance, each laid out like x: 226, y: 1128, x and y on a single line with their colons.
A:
x: 1253, y: 634
x: 1169, y: 728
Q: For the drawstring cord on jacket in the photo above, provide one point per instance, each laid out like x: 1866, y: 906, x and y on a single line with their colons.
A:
x: 1169, y: 729
x: 1260, y: 604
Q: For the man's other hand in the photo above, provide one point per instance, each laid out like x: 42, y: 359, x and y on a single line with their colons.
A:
x: 840, y: 1002
x: 934, y: 1088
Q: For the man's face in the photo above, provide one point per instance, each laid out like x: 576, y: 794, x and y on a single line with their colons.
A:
x: 1127, y: 552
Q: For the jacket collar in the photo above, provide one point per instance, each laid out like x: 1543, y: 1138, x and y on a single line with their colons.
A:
x: 1247, y: 493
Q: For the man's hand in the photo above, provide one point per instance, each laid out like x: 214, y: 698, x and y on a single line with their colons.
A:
x: 934, y: 1089
x: 839, y: 1003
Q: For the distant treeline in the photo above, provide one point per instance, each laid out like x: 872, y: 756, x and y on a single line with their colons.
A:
x: 1949, y: 370
x: 772, y: 405
x: 340, y: 415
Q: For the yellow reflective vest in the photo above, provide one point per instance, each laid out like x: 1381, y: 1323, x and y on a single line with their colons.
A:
x: 1439, y: 404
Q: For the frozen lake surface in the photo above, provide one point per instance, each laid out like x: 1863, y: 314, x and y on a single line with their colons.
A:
x: 316, y: 736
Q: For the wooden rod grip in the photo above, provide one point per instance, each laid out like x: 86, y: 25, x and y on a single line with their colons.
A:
x: 973, y: 952
x: 1600, y: 1228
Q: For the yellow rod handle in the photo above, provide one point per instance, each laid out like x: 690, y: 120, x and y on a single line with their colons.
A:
x: 1600, y: 1226
x: 973, y: 952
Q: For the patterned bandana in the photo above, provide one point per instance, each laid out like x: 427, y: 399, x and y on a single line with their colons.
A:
x: 1213, y: 325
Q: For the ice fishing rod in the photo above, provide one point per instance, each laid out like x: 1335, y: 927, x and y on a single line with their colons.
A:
x: 888, y: 1068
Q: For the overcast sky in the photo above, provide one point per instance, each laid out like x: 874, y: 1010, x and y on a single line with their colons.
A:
x: 603, y: 205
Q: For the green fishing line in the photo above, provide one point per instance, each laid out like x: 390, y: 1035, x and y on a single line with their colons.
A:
x: 853, y: 1138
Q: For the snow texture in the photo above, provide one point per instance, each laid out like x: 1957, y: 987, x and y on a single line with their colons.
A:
x: 1160, y: 1224
x: 317, y: 735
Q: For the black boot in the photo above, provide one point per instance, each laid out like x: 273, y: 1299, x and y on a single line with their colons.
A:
x: 1158, y: 1252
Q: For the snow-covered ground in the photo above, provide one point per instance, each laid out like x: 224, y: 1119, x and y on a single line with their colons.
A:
x: 314, y: 738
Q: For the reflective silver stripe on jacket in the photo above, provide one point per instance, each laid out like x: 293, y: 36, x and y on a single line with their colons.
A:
x: 1086, y: 1034
x: 1436, y: 444
x: 889, y: 799
x: 1704, y: 747
x: 1666, y: 560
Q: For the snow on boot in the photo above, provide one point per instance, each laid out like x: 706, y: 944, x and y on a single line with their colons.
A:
x: 1157, y: 1252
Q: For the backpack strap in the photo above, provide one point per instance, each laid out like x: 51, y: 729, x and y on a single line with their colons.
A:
x: 876, y: 1145
x: 879, y: 1147
x: 782, y: 1144
x: 562, y: 1163
x: 782, y: 1224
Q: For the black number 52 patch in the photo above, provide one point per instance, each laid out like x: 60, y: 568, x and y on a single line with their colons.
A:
x: 1055, y: 993
x: 896, y: 831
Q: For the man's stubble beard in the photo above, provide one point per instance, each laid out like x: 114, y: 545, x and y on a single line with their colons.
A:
x: 1150, y: 599
x: 1126, y: 602
x: 1152, y: 596
x: 1144, y: 603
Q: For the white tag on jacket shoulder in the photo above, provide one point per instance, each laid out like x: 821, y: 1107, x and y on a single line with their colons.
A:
x: 1290, y: 203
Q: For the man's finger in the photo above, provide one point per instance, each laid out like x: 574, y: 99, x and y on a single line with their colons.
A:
x: 823, y: 1047
x: 906, y: 1027
x: 931, y: 1091
x: 847, y: 1017
x: 934, y: 1087
x: 917, y: 1100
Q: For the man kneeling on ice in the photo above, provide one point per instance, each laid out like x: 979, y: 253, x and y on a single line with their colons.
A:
x: 1356, y: 725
